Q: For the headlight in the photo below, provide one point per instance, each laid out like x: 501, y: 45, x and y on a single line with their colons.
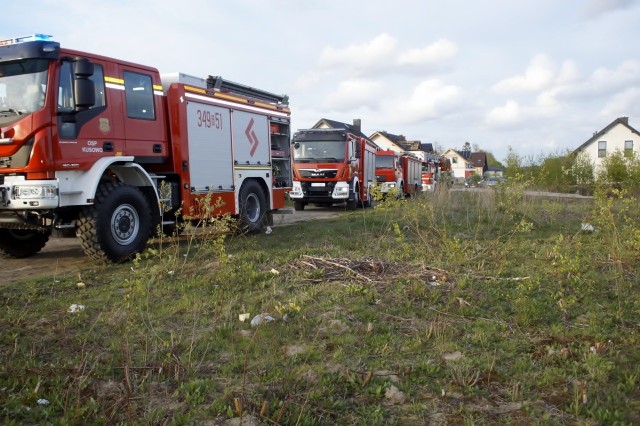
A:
x: 341, y: 191
x: 37, y: 192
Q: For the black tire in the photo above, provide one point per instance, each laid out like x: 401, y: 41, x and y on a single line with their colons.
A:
x: 20, y: 243
x: 352, y: 204
x: 170, y: 230
x: 298, y: 205
x: 367, y: 203
x: 117, y: 225
x: 253, y: 207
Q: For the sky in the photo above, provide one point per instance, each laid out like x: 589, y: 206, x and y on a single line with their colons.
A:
x: 537, y: 77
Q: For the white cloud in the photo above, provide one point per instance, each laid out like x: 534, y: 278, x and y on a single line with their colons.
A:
x: 596, y: 8
x: 628, y: 73
x: 430, y: 99
x: 376, y: 53
x: 432, y: 55
x: 354, y: 94
x: 623, y: 104
x: 539, y: 75
x: 507, y: 115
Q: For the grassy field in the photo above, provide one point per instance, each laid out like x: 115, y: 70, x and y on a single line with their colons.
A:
x: 452, y: 308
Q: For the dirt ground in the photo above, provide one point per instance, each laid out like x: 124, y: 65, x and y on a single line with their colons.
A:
x: 64, y: 256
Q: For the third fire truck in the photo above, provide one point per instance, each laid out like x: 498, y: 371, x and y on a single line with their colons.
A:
x: 398, y: 172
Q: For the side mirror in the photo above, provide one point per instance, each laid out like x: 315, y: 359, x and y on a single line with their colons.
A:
x: 84, y: 93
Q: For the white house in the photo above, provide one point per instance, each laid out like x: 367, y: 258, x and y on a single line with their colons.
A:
x: 616, y: 137
x: 387, y: 141
x: 400, y: 144
x: 461, y: 165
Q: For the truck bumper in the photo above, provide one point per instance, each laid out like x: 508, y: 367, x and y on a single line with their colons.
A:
x: 320, y: 192
x: 17, y: 193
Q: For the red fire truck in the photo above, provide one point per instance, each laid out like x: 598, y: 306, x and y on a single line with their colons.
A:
x: 332, y: 166
x: 112, y: 150
x: 434, y: 170
x: 402, y: 172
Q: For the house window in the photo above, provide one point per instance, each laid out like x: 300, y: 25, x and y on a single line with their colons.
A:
x: 602, y: 149
x: 628, y: 149
x: 454, y: 160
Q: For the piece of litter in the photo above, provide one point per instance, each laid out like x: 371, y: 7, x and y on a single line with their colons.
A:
x: 75, y: 308
x: 268, y: 230
x: 587, y: 227
x: 259, y: 319
x: 243, y: 317
x: 43, y: 401
x: 81, y: 285
x: 274, y: 271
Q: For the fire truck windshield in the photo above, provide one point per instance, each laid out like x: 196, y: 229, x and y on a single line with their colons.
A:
x: 23, y: 86
x: 331, y: 151
x: 384, y: 162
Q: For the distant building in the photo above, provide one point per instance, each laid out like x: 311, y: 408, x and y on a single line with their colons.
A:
x: 479, y: 162
x: 618, y: 136
x: 461, y: 165
x: 388, y: 141
x: 400, y: 144
x: 355, y: 128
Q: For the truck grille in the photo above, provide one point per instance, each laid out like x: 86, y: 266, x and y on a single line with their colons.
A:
x: 318, y: 173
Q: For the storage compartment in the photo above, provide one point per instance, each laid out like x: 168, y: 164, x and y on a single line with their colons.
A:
x: 280, y: 153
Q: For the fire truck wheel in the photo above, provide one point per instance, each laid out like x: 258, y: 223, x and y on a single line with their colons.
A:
x: 253, y: 207
x: 352, y: 204
x: 367, y: 203
x: 19, y: 243
x: 117, y: 225
x: 298, y: 205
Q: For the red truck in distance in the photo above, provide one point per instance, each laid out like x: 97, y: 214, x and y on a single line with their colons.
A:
x: 434, y: 170
x: 109, y: 150
x: 398, y: 172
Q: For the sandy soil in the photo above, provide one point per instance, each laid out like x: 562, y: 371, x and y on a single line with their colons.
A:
x: 64, y: 256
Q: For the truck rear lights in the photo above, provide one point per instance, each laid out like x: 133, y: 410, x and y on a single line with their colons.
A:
x: 35, y: 191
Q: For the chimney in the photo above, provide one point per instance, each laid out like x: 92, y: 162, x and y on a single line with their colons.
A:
x: 357, y: 126
x: 624, y: 120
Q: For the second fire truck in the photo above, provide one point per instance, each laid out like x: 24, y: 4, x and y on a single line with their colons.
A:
x: 332, y: 166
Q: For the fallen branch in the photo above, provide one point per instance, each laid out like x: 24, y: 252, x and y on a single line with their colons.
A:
x: 319, y: 259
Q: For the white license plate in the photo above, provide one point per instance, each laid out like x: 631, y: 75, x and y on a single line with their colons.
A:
x: 317, y: 184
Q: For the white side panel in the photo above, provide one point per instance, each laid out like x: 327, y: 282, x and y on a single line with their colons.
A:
x: 251, y: 138
x: 210, y: 158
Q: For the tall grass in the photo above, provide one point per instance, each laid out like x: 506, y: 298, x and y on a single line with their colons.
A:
x: 457, y: 306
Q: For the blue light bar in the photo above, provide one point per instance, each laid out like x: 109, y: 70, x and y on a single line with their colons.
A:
x: 32, y: 37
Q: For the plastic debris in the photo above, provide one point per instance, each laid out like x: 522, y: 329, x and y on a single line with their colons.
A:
x: 81, y: 285
x: 587, y: 227
x: 259, y: 319
x: 268, y: 230
x: 75, y: 308
x: 243, y: 317
x: 43, y: 401
x: 274, y: 271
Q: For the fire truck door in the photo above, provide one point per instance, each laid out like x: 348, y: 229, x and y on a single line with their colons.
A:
x: 209, y: 129
x: 87, y: 135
